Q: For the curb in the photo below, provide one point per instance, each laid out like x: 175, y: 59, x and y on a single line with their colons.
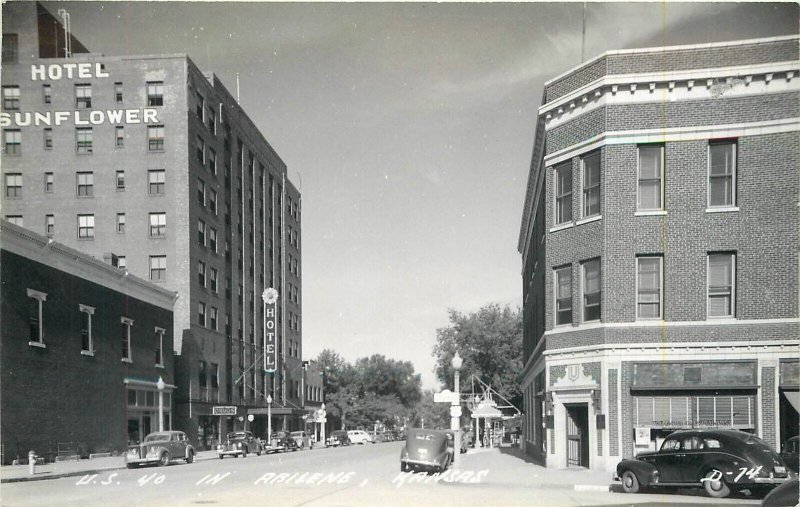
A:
x: 46, y: 477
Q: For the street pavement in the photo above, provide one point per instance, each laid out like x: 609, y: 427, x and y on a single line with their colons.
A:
x: 365, y: 475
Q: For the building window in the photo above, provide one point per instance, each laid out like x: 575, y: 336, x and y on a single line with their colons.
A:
x: 201, y: 314
x: 48, y: 182
x: 155, y: 180
x: 10, y: 48
x: 721, y: 285
x: 118, y: 92
x: 563, y: 176
x: 85, y: 184
x: 12, y: 141
x: 49, y: 225
x: 722, y: 174
x: 212, y: 161
x: 14, y: 185
x: 649, y: 281
x: 212, y: 239
x: 158, y: 268
x: 160, y: 346
x: 83, y: 96
x: 212, y: 200
x: 48, y: 138
x: 11, y: 98
x: 84, y: 137
x: 158, y: 225
x: 120, y: 180
x: 202, y: 380
x: 212, y: 120
x: 201, y: 273
x: 122, y: 262
x: 212, y: 314
x: 201, y: 232
x: 563, y: 292
x: 651, y: 178
x: 155, y: 138
x: 120, y: 223
x: 201, y: 104
x: 212, y: 279
x: 36, y: 315
x: 126, y: 339
x: 201, y: 150
x: 16, y: 220
x: 47, y: 94
x: 85, y: 226
x: 201, y: 192
x: 87, y: 347
x: 155, y: 93
x: 591, y: 290
x: 119, y: 137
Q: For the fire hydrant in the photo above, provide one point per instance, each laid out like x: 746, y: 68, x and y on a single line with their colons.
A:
x: 31, y: 462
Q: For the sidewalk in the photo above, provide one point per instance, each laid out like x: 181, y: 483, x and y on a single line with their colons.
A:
x: 19, y: 473
x: 518, y: 468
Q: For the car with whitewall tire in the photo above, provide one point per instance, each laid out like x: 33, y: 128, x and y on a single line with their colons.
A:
x: 160, y: 448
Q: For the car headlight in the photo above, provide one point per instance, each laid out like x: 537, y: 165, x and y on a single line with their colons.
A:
x: 239, y: 445
x: 219, y: 447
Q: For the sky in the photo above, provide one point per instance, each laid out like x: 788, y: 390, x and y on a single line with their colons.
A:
x: 408, y: 128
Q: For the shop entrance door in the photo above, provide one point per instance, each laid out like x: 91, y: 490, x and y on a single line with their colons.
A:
x: 578, y: 435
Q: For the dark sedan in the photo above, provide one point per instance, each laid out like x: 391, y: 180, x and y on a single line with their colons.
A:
x: 337, y: 438
x: 717, y: 460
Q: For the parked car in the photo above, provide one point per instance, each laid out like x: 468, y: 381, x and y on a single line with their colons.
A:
x: 239, y: 443
x: 427, y: 450
x: 378, y: 437
x: 790, y: 454
x: 282, y: 440
x: 359, y: 437
x: 717, y: 460
x: 160, y: 448
x: 303, y: 440
x: 337, y: 438
x: 785, y: 495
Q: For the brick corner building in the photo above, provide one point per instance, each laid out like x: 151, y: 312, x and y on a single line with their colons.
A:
x: 659, y: 242
x: 151, y: 164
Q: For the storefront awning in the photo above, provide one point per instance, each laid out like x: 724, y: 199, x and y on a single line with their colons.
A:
x: 794, y: 399
x: 486, y: 412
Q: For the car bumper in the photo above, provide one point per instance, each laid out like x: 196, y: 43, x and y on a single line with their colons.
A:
x: 420, y: 463
x: 141, y: 461
x: 770, y: 480
x: 232, y: 452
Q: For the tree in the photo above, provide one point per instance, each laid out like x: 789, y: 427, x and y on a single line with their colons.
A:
x: 430, y: 414
x: 490, y: 343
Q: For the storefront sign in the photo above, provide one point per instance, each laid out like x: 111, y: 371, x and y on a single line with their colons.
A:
x: 642, y: 436
x: 694, y: 375
x: 223, y: 410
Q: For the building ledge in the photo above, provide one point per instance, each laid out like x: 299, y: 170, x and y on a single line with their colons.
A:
x: 722, y: 209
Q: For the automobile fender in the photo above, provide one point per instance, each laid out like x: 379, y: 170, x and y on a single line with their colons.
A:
x: 644, y: 471
x: 189, y: 449
x: 730, y: 472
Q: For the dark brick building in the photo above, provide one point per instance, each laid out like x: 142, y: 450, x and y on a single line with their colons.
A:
x: 659, y: 242
x: 84, y: 345
x: 151, y: 164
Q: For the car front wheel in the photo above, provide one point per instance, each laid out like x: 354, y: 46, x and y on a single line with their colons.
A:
x: 714, y: 484
x: 164, y: 459
x: 630, y: 483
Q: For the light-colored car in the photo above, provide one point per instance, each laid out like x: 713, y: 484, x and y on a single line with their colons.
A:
x: 359, y: 437
x: 160, y: 448
x: 303, y: 440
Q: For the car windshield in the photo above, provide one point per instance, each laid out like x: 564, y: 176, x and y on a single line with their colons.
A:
x: 754, y: 440
x: 237, y: 435
x: 297, y: 433
x: 157, y: 437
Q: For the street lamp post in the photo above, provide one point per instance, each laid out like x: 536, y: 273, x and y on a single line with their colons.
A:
x: 324, y: 416
x: 269, y: 419
x: 477, y: 441
x: 160, y: 385
x: 455, y: 408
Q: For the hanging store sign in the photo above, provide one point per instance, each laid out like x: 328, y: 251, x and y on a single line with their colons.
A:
x: 270, y: 297
x: 223, y: 410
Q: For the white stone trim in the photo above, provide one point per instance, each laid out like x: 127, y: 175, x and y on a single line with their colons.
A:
x: 593, y: 218
x: 699, y: 350
x: 664, y: 135
x: 723, y: 209
x: 561, y: 227
x: 662, y: 49
x: 683, y: 323
x: 651, y: 213
x: 37, y: 344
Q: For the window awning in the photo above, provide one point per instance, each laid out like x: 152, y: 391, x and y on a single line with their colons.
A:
x: 794, y: 399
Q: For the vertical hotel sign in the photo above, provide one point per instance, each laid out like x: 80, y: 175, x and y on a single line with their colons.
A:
x: 270, y: 297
